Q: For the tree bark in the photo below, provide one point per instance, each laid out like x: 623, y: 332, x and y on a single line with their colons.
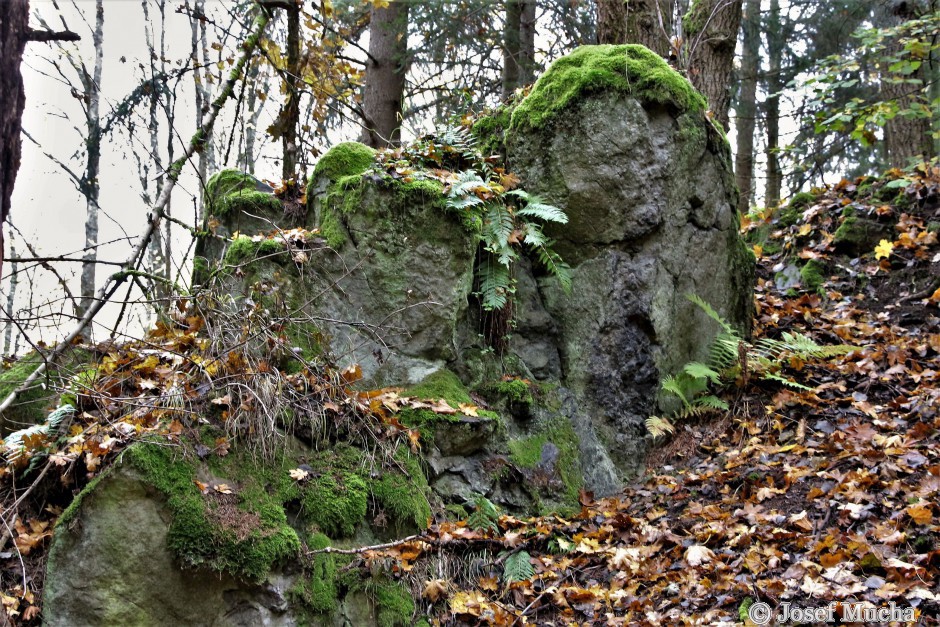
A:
x: 745, y: 116
x: 527, y: 43
x: 907, y: 139
x: 511, y: 47
x: 14, y: 31
x: 518, y: 45
x: 645, y: 22
x: 385, y: 75
x: 712, y: 32
x: 291, y: 113
x: 90, y: 184
x: 772, y: 106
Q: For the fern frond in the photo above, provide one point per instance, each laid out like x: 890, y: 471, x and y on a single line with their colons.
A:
x: 484, y: 516
x: 711, y: 313
x: 701, y: 371
x: 535, y: 207
x: 711, y: 402
x: 15, y: 444
x: 534, y: 236
x: 518, y: 567
x: 498, y: 225
x: 772, y: 376
x: 553, y: 263
x: 659, y: 427
x: 495, y: 285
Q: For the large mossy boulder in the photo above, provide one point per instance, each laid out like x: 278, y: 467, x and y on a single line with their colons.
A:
x: 621, y: 142
x: 394, y: 287
x: 165, y: 537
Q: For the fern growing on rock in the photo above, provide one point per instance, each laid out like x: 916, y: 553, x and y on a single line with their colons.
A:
x: 507, y: 220
x: 731, y: 357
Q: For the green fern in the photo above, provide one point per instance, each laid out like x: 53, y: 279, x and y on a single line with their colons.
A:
x: 518, y: 567
x: 484, y: 516
x: 728, y: 354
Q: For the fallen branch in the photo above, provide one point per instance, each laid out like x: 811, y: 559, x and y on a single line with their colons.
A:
x: 128, y: 268
x: 374, y: 547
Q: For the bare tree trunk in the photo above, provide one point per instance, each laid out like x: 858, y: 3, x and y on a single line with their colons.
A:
x: 772, y: 106
x: 645, y: 22
x: 14, y: 30
x: 291, y: 113
x: 385, y: 74
x: 527, y: 42
x: 747, y: 106
x: 90, y: 183
x: 712, y: 30
x: 907, y: 139
x: 11, y: 299
x: 511, y: 47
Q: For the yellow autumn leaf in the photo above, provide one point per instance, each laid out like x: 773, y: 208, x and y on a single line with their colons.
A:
x: 883, y: 249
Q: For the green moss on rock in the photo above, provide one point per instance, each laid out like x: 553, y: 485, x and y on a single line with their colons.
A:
x: 393, y: 603
x: 244, y: 248
x: 31, y: 406
x: 199, y: 534
x: 812, y: 275
x: 317, y: 590
x: 526, y: 452
x: 336, y: 497
x: 442, y: 384
x: 404, y: 496
x: 229, y: 191
x: 630, y: 69
x: 344, y: 159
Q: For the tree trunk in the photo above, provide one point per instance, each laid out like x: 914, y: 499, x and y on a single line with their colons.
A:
x: 646, y: 22
x: 511, y: 47
x: 11, y: 300
x: 747, y: 107
x: 907, y: 139
x: 518, y: 45
x: 772, y: 106
x: 527, y: 43
x: 291, y: 113
x: 90, y: 184
x: 385, y: 75
x: 14, y: 31
x: 712, y: 32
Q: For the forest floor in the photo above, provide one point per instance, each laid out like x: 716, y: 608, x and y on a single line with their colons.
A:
x: 820, y: 497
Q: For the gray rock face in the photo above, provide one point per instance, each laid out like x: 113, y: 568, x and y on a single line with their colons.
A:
x: 111, y: 566
x: 404, y: 274
x: 650, y: 203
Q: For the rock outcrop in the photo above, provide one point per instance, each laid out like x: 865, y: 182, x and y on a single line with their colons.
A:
x: 609, y: 134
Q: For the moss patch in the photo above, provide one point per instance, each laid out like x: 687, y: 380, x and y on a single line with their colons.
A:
x: 442, y: 384
x: 230, y: 190
x: 198, y: 533
x: 811, y: 275
x: 393, y: 603
x: 630, y: 69
x: 404, y: 497
x: 526, y: 453
x: 317, y: 590
x: 31, y: 406
x: 344, y: 159
x: 243, y: 249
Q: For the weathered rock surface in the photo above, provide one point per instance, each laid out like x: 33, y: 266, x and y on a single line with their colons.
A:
x: 646, y: 183
x: 111, y: 565
x: 650, y: 201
